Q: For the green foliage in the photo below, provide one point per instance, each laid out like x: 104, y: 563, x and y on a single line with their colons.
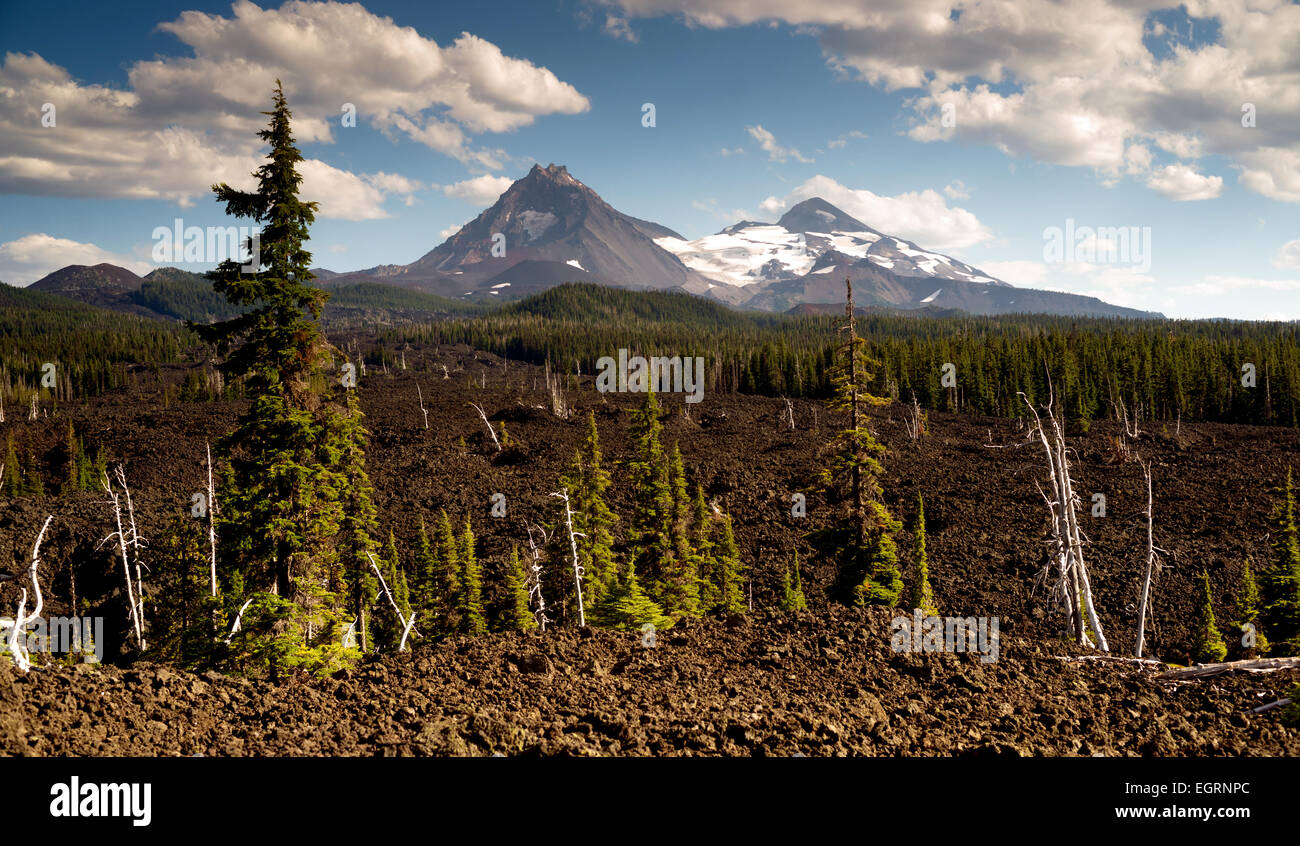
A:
x: 448, y: 609
x: 294, y: 522
x: 792, y: 598
x: 473, y: 621
x: 729, y: 573
x: 922, y: 595
x: 1280, y: 587
x: 518, y: 616
x: 862, y: 542
x: 652, y: 498
x: 593, y: 521
x: 702, y: 551
x: 13, y: 472
x: 1207, y: 643
x: 679, y: 586
x: 1248, y: 608
x: 627, y: 607
x: 185, y: 618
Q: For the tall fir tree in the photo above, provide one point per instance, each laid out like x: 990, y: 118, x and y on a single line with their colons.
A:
x: 678, y: 590
x: 627, y: 606
x: 729, y: 572
x: 593, y: 520
x: 865, y: 550
x: 1248, y: 604
x: 518, y: 616
x: 702, y: 549
x: 1281, y: 581
x: 922, y: 595
x: 473, y: 619
x: 13, y: 470
x: 449, y: 577
x: 651, y: 546
x: 1207, y: 643
x: 285, y: 489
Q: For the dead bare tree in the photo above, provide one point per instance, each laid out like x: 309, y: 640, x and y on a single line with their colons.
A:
x: 17, y: 647
x: 788, y: 417
x: 914, y: 420
x: 535, y: 597
x: 420, y: 395
x: 407, y: 624
x: 1153, y: 561
x: 573, y: 545
x: 1072, y: 587
x: 212, y: 516
x: 491, y: 431
x: 125, y: 544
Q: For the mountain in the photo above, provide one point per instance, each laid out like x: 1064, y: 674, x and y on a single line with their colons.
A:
x: 104, y: 285
x: 805, y: 257
x: 555, y: 230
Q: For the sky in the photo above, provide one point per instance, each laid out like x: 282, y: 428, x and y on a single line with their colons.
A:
x: 1143, y: 152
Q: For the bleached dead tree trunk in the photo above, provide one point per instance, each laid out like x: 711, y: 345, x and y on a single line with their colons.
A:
x: 491, y: 431
x: 914, y: 420
x: 535, y: 597
x: 17, y: 648
x: 124, y: 547
x: 1072, y: 587
x: 1153, y: 561
x: 212, y: 516
x: 239, y: 620
x: 406, y: 624
x: 573, y: 545
x: 420, y: 394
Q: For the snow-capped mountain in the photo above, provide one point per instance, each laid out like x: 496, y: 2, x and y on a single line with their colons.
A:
x: 548, y: 228
x: 750, y: 252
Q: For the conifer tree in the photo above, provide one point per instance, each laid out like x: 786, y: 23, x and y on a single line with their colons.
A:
x: 72, y: 473
x: 285, y: 492
x: 866, y: 552
x: 424, y: 589
x: 1248, y: 608
x: 593, y: 521
x: 13, y: 481
x: 792, y: 598
x: 518, y: 616
x: 1207, y: 643
x: 702, y: 548
x: 922, y: 594
x: 35, y: 486
x: 388, y: 628
x: 181, y: 623
x: 679, y: 586
x: 473, y: 620
x: 652, y: 498
x: 1281, y: 582
x: 627, y: 606
x: 730, y: 573
x: 449, y: 579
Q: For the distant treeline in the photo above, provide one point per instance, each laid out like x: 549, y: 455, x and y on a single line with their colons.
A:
x: 1160, y: 369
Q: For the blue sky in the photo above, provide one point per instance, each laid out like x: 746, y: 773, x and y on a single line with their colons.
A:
x: 1085, y: 113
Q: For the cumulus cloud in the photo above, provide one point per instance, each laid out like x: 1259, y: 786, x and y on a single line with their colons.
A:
x: 1081, y: 83
x: 1182, y: 183
x: 775, y: 152
x: 184, y: 122
x: 31, y: 257
x: 1288, y: 256
x: 920, y: 216
x: 840, y: 141
x: 618, y: 27
x: 956, y: 190
x: 479, y: 191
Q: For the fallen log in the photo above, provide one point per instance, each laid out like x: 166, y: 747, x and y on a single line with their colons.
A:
x: 1270, y: 706
x: 1257, y: 665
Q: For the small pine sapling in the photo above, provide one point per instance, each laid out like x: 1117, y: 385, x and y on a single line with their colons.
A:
x: 1207, y: 644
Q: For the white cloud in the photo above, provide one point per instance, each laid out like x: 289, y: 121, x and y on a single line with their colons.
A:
x: 1182, y: 183
x: 184, y: 122
x: 772, y: 206
x: 479, y: 191
x: 1070, y: 82
x: 31, y: 257
x: 920, y: 216
x: 730, y: 216
x: 618, y: 27
x: 733, y: 151
x: 775, y: 152
x: 444, y: 234
x: 1025, y: 274
x: 956, y: 190
x: 1288, y: 256
x: 840, y: 141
